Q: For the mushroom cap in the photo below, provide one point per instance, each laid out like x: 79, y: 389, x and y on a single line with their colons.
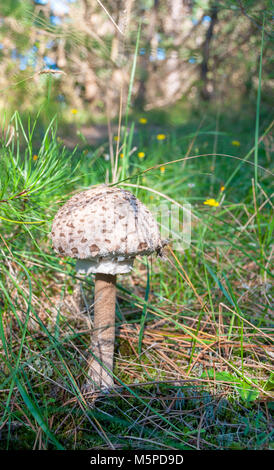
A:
x: 105, y: 228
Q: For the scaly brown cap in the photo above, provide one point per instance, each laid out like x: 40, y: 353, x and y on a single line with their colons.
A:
x: 105, y: 228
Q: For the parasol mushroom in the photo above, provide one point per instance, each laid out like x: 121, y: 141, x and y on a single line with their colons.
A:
x: 105, y: 228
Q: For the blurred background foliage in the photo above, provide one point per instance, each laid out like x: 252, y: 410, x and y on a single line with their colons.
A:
x: 191, y: 51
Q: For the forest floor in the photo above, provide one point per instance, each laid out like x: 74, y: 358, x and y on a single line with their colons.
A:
x: 194, y: 330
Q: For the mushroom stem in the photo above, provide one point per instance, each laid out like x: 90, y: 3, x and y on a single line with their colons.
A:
x: 103, y: 332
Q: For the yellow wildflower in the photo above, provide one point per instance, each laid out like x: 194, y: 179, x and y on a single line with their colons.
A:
x: 162, y: 169
x: 161, y: 137
x: 222, y: 188
x: 211, y: 202
x: 121, y: 155
x: 74, y: 111
x: 35, y: 157
x: 141, y: 154
x: 236, y: 143
x: 115, y: 138
x: 143, y: 120
x: 151, y: 197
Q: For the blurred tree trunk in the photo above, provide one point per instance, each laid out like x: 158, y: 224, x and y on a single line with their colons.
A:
x: 205, y: 92
x: 149, y: 55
